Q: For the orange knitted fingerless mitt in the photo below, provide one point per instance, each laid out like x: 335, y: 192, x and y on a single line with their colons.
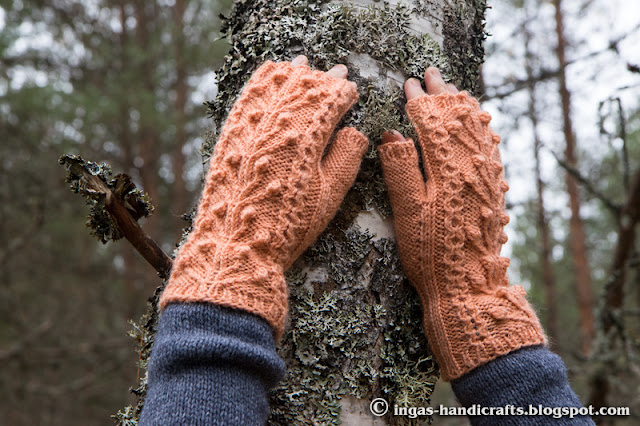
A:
x: 269, y: 191
x: 450, y: 232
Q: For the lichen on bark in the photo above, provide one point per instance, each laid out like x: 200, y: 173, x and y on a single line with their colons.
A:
x: 355, y: 326
x: 464, y: 43
x: 356, y: 331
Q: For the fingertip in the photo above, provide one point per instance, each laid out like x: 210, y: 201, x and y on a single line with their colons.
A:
x: 392, y: 136
x: 412, y: 82
x: 432, y: 71
x: 433, y: 81
x: 300, y: 60
x: 413, y: 88
x: 338, y: 71
x: 388, y: 137
x: 398, y: 135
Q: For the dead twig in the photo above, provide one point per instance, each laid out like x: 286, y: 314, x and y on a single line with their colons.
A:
x: 116, y: 205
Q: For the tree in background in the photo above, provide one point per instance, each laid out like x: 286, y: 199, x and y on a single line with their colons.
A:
x: 111, y: 80
x: 584, y: 292
x: 542, y: 222
x: 604, y: 178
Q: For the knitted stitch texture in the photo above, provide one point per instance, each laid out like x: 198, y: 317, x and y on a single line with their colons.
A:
x: 531, y: 376
x: 269, y: 191
x: 450, y: 232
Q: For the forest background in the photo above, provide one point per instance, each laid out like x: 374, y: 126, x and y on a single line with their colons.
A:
x: 117, y: 82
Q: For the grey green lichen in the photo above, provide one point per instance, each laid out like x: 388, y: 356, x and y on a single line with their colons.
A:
x: 409, y: 372
x: 351, y: 335
x: 143, y: 332
x: 327, y: 35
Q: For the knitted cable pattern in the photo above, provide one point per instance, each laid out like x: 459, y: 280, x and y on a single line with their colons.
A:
x: 450, y: 232
x: 269, y: 191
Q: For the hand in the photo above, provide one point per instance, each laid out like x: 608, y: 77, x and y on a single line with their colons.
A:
x: 269, y: 191
x: 449, y: 228
x: 432, y: 80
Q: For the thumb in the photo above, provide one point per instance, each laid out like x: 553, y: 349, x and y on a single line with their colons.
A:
x: 341, y: 164
x: 408, y: 196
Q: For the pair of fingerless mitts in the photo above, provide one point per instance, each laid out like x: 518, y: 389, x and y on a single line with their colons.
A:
x: 271, y: 190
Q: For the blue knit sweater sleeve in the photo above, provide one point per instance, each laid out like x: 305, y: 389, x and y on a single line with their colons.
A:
x: 213, y: 365
x: 532, y: 376
x: 210, y: 365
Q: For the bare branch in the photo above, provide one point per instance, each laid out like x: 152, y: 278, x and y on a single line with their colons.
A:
x: 139, y: 239
x: 17, y: 347
x: 546, y: 74
x: 588, y: 185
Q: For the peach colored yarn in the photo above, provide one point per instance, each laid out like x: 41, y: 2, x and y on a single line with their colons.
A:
x: 269, y: 191
x: 450, y: 232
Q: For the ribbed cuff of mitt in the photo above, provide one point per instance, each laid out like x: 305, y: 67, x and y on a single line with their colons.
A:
x: 505, y: 336
x: 263, y: 294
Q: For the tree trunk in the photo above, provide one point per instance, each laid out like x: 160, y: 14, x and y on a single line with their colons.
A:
x: 549, y: 282
x: 584, y: 291
x: 355, y: 324
x: 612, y: 321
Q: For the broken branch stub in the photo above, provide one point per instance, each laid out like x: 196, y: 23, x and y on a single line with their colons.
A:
x: 116, y: 205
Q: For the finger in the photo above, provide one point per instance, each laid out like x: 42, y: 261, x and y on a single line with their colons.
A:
x: 341, y: 164
x: 392, y: 136
x: 413, y: 89
x: 300, y: 60
x: 339, y: 71
x: 452, y: 89
x: 434, y: 82
x: 406, y: 187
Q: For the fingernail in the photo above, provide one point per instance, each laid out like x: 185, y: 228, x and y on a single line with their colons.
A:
x: 388, y: 137
x: 340, y: 68
x: 297, y: 60
x: 398, y: 135
x: 414, y: 82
